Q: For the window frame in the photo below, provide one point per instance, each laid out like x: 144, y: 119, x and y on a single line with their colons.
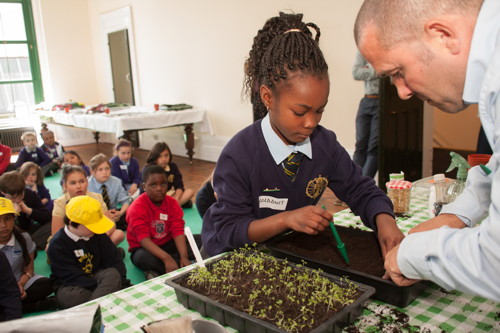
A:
x: 29, y: 25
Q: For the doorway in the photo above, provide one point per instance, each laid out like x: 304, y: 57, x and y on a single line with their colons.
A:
x: 121, y: 69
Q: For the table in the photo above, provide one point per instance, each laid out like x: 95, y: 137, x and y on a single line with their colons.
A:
x: 128, y: 121
x: 435, y: 310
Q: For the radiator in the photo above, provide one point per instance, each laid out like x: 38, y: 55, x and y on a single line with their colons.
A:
x: 11, y: 136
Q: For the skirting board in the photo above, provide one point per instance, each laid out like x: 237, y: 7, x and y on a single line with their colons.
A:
x: 206, y: 146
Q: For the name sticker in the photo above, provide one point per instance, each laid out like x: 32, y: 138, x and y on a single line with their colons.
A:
x: 123, y: 167
x: 34, y: 155
x: 266, y: 201
x: 79, y: 253
x: 163, y: 217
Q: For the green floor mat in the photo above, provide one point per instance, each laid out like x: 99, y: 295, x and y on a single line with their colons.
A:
x: 136, y: 275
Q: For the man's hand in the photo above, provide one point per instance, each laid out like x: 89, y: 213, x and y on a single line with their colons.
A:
x: 437, y: 222
x: 392, y: 270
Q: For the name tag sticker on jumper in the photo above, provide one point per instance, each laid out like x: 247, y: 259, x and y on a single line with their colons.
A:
x: 123, y: 167
x: 266, y: 201
x: 34, y: 155
x: 163, y: 217
x: 79, y: 253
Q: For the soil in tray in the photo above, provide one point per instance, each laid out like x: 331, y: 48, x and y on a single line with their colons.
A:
x: 274, y: 292
x: 362, y: 247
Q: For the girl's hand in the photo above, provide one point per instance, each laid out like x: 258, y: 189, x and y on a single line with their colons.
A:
x: 389, y: 234
x: 22, y: 291
x: 170, y: 265
x: 132, y: 189
x: 45, y: 200
x: 185, y: 262
x: 310, y: 219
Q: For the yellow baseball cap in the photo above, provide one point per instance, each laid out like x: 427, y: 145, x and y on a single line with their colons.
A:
x: 87, y: 211
x: 7, y: 207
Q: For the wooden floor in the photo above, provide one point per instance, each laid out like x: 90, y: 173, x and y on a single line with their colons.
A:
x: 193, y: 175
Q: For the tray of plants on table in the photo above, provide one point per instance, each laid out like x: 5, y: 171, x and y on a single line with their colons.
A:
x: 366, y: 264
x: 253, y: 292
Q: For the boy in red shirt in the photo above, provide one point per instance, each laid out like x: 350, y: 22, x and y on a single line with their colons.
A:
x: 155, y: 231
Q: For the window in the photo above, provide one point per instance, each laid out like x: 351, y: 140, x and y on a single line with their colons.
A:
x: 20, y: 78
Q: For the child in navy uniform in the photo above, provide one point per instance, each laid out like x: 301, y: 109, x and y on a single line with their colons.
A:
x: 33, y: 178
x: 270, y: 176
x: 20, y: 251
x: 52, y: 148
x: 161, y: 155
x: 32, y: 153
x: 85, y: 263
x: 10, y: 296
x: 71, y: 157
x: 34, y: 218
x: 126, y: 167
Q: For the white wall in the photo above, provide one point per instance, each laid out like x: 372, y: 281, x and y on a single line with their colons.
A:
x: 193, y: 51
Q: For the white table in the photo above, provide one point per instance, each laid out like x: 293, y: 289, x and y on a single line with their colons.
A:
x: 127, y: 122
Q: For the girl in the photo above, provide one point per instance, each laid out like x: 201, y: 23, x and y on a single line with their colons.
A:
x: 19, y: 250
x: 71, y: 157
x: 34, y: 181
x: 74, y: 183
x: 126, y: 167
x: 161, y: 155
x: 270, y: 176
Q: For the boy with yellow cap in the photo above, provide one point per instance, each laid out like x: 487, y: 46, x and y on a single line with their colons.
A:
x: 85, y: 263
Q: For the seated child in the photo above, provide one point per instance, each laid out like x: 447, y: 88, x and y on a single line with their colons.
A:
x: 126, y: 167
x: 155, y: 232
x: 33, y: 218
x: 161, y: 155
x: 71, y: 157
x: 85, y: 263
x: 52, y: 148
x: 32, y: 153
x: 75, y: 183
x: 10, y: 296
x: 33, y: 178
x: 110, y: 187
x: 20, y: 249
x: 5, y: 154
x: 206, y: 196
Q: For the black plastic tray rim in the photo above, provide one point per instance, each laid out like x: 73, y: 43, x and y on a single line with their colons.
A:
x: 243, y: 322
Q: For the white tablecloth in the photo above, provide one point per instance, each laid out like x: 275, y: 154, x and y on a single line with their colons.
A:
x: 126, y: 119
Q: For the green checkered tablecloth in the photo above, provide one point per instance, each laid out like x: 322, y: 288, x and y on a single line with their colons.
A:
x: 435, y: 310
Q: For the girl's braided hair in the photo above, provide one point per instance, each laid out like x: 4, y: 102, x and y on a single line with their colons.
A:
x: 284, y: 44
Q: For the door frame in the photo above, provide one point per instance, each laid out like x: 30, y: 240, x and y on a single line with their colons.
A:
x: 116, y: 20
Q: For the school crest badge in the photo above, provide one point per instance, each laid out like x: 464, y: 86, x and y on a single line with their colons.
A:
x: 160, y: 227
x: 316, y: 187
